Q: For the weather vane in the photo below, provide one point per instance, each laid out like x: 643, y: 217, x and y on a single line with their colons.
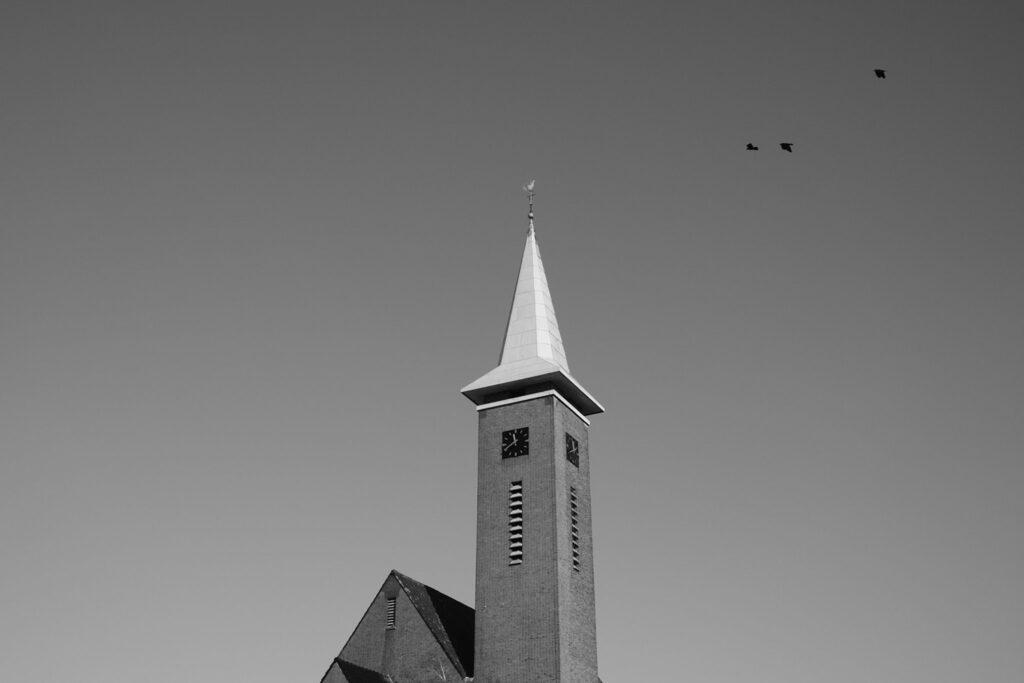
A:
x: 528, y: 188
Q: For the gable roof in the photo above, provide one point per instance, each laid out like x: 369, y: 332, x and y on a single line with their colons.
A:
x: 450, y: 621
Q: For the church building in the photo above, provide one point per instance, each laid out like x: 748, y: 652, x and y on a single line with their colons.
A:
x: 534, y: 620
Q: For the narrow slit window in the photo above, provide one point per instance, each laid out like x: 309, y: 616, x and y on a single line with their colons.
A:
x: 574, y: 528
x: 515, y: 523
x: 390, y: 618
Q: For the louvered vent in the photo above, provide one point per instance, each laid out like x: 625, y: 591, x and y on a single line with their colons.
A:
x: 390, y: 619
x: 574, y: 528
x: 515, y: 523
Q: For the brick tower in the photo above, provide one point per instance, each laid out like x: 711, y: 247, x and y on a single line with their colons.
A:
x: 535, y: 619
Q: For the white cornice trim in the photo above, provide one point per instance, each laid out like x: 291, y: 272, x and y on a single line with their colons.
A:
x: 530, y: 397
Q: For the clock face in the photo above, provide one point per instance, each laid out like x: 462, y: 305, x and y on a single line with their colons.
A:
x: 515, y: 442
x: 572, y: 450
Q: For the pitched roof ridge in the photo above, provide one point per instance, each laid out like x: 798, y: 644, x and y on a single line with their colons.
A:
x: 433, y: 620
x: 400, y: 576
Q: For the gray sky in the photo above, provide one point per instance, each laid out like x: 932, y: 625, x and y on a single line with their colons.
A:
x: 250, y: 253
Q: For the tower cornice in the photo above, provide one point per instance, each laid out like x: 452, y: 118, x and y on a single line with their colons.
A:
x: 530, y: 397
x: 510, y: 380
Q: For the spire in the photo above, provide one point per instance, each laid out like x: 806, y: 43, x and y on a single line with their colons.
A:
x: 529, y: 192
x: 532, y: 328
x: 532, y: 354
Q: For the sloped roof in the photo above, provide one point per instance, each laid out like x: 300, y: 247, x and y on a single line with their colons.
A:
x: 341, y: 671
x: 451, y: 622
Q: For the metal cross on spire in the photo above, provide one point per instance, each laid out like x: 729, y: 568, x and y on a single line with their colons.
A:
x: 528, y: 188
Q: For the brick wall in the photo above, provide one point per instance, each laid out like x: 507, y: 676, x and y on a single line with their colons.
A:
x: 534, y: 621
x: 409, y: 652
x: 577, y: 621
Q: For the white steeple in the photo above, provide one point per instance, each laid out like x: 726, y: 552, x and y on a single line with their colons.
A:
x: 532, y: 352
x: 532, y: 329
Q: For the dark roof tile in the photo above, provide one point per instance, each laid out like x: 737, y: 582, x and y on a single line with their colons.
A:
x: 352, y: 673
x: 451, y: 622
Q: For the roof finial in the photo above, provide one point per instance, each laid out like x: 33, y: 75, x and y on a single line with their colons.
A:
x: 529, y: 192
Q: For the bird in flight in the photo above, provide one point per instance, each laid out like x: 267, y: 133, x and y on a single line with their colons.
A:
x: 880, y: 73
x: 788, y: 146
x: 752, y: 147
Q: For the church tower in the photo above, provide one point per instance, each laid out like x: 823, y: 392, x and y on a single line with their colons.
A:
x: 535, y: 618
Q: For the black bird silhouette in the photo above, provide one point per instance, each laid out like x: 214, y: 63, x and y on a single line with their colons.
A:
x: 752, y: 147
x: 880, y: 73
x: 788, y: 146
